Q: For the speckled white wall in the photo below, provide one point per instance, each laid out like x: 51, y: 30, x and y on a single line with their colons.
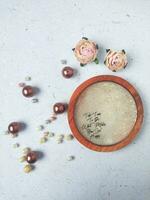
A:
x: 34, y: 37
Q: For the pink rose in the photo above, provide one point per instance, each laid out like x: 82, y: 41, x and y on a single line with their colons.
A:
x: 115, y: 60
x: 86, y: 51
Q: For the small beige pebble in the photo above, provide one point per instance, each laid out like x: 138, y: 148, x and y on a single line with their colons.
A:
x: 40, y: 128
x: 27, y: 78
x: 70, y: 158
x: 22, y: 159
x: 16, y: 145
x: 60, y: 136
x: 59, y: 141
x: 26, y: 150
x: 27, y: 168
x: 43, y: 140
x: 46, y: 134
x: 69, y: 137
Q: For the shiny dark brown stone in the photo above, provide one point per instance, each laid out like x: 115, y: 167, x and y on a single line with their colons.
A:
x: 59, y: 108
x: 27, y: 91
x: 14, y: 127
x: 31, y: 157
x: 67, y: 72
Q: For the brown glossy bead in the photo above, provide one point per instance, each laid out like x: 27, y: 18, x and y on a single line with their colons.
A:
x: 14, y: 127
x: 59, y: 108
x: 27, y: 91
x: 67, y: 72
x: 31, y: 157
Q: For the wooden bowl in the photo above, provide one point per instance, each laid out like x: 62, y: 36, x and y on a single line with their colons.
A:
x: 132, y: 133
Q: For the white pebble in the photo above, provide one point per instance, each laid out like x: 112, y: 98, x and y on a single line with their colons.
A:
x: 40, y: 128
x: 28, y: 78
x: 21, y: 84
x: 46, y: 135
x: 63, y: 62
x: 35, y: 100
x: 16, y: 145
x: 43, y: 140
x: 60, y: 136
x: 14, y: 135
x: 59, y: 141
x: 22, y: 159
x: 26, y: 150
x: 70, y: 158
x: 53, y: 118
x: 69, y: 137
x: 51, y: 134
x: 47, y: 121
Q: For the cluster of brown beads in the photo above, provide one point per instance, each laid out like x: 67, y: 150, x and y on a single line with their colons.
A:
x: 14, y: 128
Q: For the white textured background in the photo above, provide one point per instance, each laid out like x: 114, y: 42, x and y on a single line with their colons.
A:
x: 34, y: 37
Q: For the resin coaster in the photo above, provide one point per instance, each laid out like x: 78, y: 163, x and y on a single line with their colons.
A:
x: 105, y: 113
